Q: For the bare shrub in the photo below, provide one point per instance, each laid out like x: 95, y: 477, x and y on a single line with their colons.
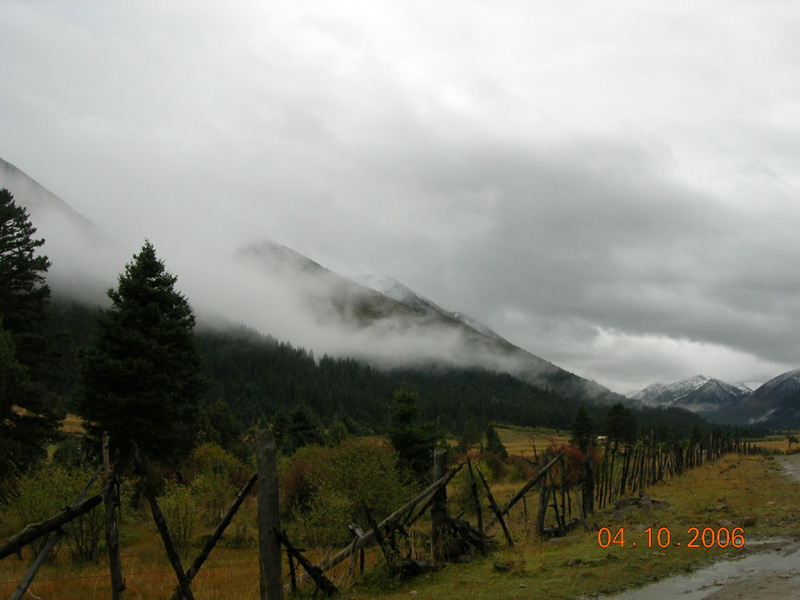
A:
x: 180, y: 512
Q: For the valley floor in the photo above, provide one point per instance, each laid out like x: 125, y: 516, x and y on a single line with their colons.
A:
x: 762, y: 492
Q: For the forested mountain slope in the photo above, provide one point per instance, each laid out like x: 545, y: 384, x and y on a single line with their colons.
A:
x: 258, y: 375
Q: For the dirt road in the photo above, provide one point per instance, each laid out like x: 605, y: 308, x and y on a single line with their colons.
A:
x: 770, y: 575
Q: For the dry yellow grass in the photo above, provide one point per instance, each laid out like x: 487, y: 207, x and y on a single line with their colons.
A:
x: 522, y: 441
x: 778, y: 442
x: 73, y: 424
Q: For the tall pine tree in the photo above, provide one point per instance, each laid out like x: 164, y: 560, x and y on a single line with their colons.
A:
x: 413, y: 439
x: 27, y: 419
x: 494, y: 443
x: 141, y: 374
x: 582, y: 429
x: 23, y: 290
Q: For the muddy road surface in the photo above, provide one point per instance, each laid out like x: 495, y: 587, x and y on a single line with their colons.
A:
x: 771, y: 572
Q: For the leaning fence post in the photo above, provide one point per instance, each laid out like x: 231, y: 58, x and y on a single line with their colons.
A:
x: 112, y: 539
x: 161, y: 523
x: 269, y: 521
x: 439, y: 505
x: 478, y: 510
x: 497, y: 513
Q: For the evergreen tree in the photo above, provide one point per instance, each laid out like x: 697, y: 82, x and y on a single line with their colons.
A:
x: 493, y: 442
x: 621, y: 425
x: 303, y: 429
x: 582, y: 429
x: 280, y: 429
x: 470, y: 436
x: 218, y: 425
x: 336, y: 433
x: 413, y: 440
x: 22, y: 434
x: 23, y: 290
x: 27, y: 418
x: 142, y: 371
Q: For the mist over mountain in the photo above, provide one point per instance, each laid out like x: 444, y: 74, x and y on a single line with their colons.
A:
x: 700, y: 394
x: 280, y: 292
x: 391, y: 326
x: 391, y: 287
x: 84, y: 258
x: 776, y: 404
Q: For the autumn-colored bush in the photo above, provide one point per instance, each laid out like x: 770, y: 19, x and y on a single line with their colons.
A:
x: 497, y: 465
x: 573, y: 460
x: 520, y: 468
x: 297, y: 476
x: 326, y: 489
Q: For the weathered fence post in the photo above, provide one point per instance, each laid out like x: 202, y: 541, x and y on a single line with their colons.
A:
x: 588, y: 486
x: 161, y: 524
x: 322, y: 582
x: 476, y: 501
x: 544, y: 495
x: 112, y: 539
x: 497, y: 513
x: 269, y: 521
x: 439, y: 506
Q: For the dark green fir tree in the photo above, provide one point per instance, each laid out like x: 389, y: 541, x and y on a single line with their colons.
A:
x: 621, y: 425
x: 470, y: 437
x: 141, y: 374
x: 582, y: 429
x: 303, y: 429
x: 493, y: 442
x: 413, y: 439
x: 28, y: 421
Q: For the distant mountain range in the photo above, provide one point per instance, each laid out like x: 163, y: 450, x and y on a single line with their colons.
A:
x: 775, y: 404
x: 281, y: 292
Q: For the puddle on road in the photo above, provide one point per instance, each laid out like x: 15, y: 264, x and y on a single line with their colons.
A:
x: 704, y: 582
x: 791, y: 465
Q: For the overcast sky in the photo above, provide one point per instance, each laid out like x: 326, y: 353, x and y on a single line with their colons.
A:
x: 613, y: 186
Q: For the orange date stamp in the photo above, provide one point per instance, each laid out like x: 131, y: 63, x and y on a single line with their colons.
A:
x: 705, y: 538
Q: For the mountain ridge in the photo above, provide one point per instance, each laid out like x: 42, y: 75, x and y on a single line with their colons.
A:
x: 775, y: 404
x: 407, y: 310
x: 285, y: 289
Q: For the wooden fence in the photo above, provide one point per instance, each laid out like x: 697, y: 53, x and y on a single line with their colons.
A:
x: 622, y: 470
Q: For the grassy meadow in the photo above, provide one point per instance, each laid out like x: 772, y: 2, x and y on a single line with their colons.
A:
x: 737, y: 489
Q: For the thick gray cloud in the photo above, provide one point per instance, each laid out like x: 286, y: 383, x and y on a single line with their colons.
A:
x: 612, y: 187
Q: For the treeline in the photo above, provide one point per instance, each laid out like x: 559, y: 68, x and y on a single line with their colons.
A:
x: 257, y: 375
